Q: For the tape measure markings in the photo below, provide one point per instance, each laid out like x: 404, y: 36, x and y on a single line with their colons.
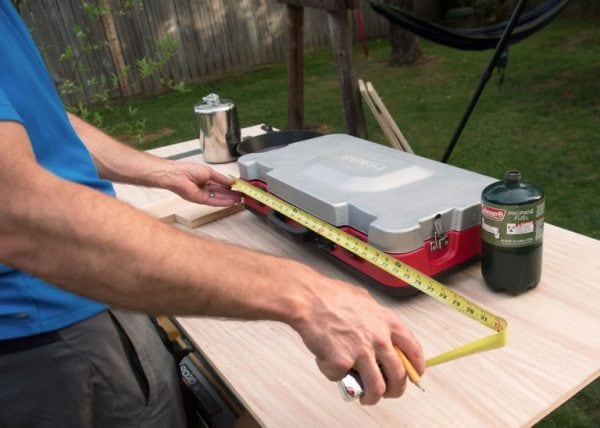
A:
x: 392, y: 266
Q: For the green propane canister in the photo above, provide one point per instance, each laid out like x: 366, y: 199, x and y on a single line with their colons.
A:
x: 512, y: 227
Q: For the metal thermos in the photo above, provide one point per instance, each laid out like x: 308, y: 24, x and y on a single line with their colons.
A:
x: 218, y: 129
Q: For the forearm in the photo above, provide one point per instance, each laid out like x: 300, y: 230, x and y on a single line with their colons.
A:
x: 118, y: 162
x: 94, y: 245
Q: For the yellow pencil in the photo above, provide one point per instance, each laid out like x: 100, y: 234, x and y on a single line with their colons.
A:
x: 410, y: 370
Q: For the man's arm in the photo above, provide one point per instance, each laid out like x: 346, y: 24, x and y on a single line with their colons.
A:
x: 123, y: 164
x: 86, y: 242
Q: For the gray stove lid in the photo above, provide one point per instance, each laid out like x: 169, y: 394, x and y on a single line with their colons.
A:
x: 390, y: 195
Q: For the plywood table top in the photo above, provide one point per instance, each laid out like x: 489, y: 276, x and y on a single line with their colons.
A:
x: 553, y: 346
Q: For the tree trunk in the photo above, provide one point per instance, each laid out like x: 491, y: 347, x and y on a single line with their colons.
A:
x: 405, y: 46
x: 110, y: 30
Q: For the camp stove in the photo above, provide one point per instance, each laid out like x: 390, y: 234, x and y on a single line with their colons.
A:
x: 422, y: 212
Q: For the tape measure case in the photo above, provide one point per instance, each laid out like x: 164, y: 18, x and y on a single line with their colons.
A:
x: 422, y: 212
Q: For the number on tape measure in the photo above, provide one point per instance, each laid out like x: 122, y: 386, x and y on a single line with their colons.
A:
x: 392, y: 266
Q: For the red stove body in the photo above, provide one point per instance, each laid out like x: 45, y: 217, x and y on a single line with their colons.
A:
x: 421, y: 212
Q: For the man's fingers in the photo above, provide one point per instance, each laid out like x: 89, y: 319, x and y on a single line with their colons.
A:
x: 411, y: 348
x: 394, y: 373
x: 344, y: 338
x: 334, y: 370
x: 372, y: 379
x: 217, y: 177
x: 219, y: 195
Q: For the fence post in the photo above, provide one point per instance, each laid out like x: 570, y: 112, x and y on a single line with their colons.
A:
x: 295, y: 16
x: 341, y: 43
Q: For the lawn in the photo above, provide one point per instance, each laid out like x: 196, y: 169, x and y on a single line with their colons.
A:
x: 544, y: 121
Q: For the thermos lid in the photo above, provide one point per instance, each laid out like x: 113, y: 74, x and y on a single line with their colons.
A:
x: 212, y: 103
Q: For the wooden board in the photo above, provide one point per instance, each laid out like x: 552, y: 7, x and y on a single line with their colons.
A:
x: 166, y: 205
x: 384, y: 118
x: 388, y: 117
x: 189, y: 214
x: 378, y: 116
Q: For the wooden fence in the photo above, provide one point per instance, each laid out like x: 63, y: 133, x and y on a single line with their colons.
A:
x: 212, y: 37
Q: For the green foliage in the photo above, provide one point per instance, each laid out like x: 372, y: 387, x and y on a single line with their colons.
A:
x: 68, y: 54
x: 150, y: 66
x: 96, y: 90
x: 178, y: 87
x: 93, y: 11
x: 146, y: 67
x: 124, y: 5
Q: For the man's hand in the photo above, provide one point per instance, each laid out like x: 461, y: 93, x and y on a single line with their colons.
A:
x: 200, y: 184
x: 347, y: 329
x: 117, y: 162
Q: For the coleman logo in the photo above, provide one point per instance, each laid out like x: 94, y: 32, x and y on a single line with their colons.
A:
x: 493, y: 213
x: 360, y: 162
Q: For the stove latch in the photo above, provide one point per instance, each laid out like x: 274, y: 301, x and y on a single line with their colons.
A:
x: 440, y: 237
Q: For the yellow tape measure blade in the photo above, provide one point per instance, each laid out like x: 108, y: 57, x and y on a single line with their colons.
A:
x: 487, y: 343
x: 392, y: 266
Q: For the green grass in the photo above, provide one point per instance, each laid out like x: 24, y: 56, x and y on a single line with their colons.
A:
x: 544, y: 121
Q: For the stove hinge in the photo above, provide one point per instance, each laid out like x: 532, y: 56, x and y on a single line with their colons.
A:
x: 440, y: 237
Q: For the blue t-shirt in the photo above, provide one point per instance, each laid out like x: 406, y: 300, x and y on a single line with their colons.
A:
x: 29, y: 305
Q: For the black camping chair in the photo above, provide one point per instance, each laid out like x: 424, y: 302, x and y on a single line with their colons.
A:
x: 498, y: 36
